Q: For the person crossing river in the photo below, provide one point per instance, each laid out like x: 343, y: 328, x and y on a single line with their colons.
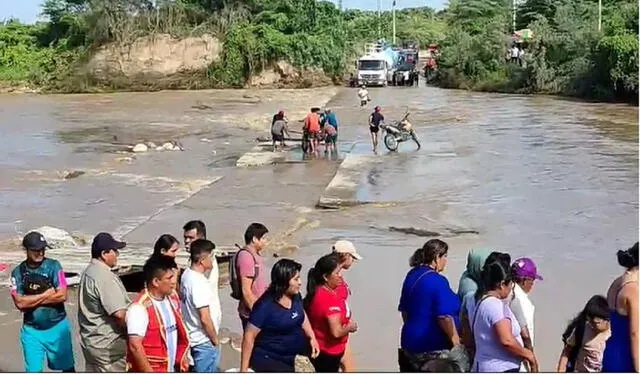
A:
x: 375, y: 120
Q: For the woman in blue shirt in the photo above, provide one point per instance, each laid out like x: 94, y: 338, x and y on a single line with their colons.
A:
x: 278, y: 327
x: 430, y: 309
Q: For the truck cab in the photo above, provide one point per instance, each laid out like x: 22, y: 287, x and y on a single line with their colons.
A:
x: 373, y: 70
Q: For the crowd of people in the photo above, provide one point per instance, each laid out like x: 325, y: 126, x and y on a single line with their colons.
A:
x: 319, y: 125
x: 172, y: 325
x: 488, y: 325
x: 322, y: 125
x: 516, y: 55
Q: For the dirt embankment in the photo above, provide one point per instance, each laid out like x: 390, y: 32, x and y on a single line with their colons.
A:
x: 163, y: 62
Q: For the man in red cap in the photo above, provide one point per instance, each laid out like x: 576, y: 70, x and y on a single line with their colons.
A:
x: 375, y: 120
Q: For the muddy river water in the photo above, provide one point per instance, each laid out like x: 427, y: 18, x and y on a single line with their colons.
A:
x: 552, y: 179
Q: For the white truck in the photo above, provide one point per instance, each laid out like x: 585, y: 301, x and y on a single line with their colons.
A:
x: 376, y: 68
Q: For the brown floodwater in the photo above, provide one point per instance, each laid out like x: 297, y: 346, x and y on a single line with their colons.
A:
x: 552, y: 179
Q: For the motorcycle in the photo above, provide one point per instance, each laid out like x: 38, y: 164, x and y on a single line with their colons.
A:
x: 399, y: 132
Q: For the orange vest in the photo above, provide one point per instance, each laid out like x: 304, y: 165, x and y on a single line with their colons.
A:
x: 155, y: 341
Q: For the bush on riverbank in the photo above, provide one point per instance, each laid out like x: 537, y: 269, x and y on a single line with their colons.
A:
x: 568, y: 55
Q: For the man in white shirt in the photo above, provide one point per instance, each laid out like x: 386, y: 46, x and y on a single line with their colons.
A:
x: 363, y: 94
x: 157, y: 338
x: 194, y: 230
x: 201, y: 308
x: 514, y: 54
x: 525, y: 273
x: 521, y: 56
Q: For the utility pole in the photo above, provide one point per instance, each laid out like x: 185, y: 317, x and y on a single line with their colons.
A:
x: 513, y: 25
x: 393, y: 10
x: 340, y: 4
x: 599, y: 15
x: 379, y: 20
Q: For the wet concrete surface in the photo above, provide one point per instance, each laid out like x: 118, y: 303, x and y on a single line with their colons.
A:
x: 551, y: 179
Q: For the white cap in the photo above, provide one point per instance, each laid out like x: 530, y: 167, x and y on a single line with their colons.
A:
x: 345, y: 246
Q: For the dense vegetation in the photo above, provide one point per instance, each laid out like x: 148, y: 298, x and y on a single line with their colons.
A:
x: 567, y: 56
x: 256, y: 33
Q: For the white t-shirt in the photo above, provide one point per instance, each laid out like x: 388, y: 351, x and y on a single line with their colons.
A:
x: 197, y: 292
x: 514, y: 52
x: 363, y: 94
x: 523, y: 309
x: 215, y: 307
x: 138, y: 320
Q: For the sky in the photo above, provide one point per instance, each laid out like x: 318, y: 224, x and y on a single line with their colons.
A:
x: 28, y: 10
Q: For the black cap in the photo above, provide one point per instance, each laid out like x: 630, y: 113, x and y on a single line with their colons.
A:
x: 105, y: 242
x: 34, y: 240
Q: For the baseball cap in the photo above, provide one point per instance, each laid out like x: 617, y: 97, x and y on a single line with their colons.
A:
x: 34, y: 240
x: 525, y: 268
x: 104, y: 242
x: 345, y: 246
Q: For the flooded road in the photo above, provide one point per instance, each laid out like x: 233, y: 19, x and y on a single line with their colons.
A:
x: 552, y: 179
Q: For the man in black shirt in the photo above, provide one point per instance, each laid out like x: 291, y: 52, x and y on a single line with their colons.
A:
x: 375, y: 119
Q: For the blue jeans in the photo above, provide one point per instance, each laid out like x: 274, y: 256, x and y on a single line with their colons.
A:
x: 206, y: 358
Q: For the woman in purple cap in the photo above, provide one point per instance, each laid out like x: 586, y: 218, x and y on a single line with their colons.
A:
x: 525, y: 273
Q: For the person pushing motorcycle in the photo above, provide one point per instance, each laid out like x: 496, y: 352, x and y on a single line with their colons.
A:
x: 375, y: 120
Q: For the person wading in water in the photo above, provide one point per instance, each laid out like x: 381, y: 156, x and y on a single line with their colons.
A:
x: 375, y: 120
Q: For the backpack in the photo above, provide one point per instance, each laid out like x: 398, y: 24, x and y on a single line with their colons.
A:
x: 234, y: 278
x: 32, y: 282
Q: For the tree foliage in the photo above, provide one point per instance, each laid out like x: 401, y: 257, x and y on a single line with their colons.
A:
x: 256, y: 33
x: 568, y: 55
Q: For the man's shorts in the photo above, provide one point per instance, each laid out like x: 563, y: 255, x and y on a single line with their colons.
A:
x: 54, y: 344
x: 331, y: 139
x: 277, y: 137
x: 374, y: 129
x: 314, y: 135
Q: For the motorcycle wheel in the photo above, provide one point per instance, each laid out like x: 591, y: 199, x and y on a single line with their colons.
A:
x: 391, y: 142
x: 415, y: 139
x: 305, y: 144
